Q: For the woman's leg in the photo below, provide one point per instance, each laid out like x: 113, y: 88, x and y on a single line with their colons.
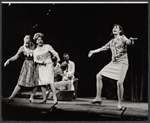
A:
x: 32, y: 94
x: 120, y: 92
x: 15, y: 91
x: 99, y: 85
x: 120, y: 88
x: 54, y: 92
x: 44, y: 92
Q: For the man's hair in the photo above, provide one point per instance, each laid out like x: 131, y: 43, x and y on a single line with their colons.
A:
x: 65, y: 54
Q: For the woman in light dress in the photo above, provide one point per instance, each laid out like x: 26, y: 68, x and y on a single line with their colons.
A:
x: 43, y: 58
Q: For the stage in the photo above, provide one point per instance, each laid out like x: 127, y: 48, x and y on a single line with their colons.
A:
x: 76, y: 110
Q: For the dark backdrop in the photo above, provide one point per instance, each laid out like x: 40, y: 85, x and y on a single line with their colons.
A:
x: 76, y: 29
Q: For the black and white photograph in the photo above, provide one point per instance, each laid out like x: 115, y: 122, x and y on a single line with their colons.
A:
x: 74, y: 61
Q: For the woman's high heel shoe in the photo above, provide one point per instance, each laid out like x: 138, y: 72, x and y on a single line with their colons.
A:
x: 31, y: 101
x: 47, y: 94
x: 9, y: 100
x: 53, y: 106
x: 96, y: 102
x: 43, y: 102
x: 120, y: 107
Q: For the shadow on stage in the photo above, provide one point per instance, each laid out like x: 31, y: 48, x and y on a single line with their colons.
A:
x: 81, y: 109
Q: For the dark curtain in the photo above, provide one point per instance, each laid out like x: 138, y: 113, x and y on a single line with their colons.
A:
x: 137, y: 77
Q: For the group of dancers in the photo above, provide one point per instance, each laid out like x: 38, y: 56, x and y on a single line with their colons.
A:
x: 41, y: 60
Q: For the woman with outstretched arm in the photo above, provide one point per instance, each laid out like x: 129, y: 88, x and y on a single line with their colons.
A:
x: 118, y: 66
x: 27, y: 74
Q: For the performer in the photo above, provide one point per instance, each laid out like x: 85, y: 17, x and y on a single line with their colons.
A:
x: 27, y: 74
x: 64, y: 76
x: 57, y: 75
x: 66, y: 82
x: 61, y: 80
x: 69, y: 72
x: 118, y: 66
x: 42, y: 56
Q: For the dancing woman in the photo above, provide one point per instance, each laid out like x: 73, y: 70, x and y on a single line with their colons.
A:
x: 42, y: 56
x: 27, y: 74
x: 118, y: 66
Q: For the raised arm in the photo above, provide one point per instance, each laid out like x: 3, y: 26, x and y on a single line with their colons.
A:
x: 15, y: 57
x: 103, y: 48
x: 129, y: 41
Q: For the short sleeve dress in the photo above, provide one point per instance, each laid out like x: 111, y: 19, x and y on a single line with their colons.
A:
x: 118, y: 66
x: 42, y: 56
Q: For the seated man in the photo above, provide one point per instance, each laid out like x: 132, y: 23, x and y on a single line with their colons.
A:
x: 69, y: 71
x: 69, y: 74
x: 64, y: 75
x: 66, y: 82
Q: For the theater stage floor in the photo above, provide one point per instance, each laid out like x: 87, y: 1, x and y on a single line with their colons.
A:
x: 78, y: 110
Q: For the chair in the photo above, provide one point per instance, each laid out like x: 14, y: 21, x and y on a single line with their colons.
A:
x: 68, y: 95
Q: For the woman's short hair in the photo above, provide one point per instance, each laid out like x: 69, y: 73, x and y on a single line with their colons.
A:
x: 65, y: 54
x: 37, y: 35
x: 120, y: 27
